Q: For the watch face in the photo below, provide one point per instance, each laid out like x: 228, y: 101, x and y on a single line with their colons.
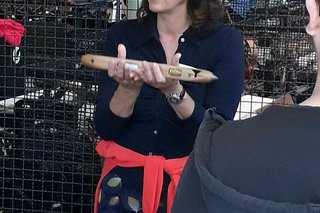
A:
x: 174, y: 98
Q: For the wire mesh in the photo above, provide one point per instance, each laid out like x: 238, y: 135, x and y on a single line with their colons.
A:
x: 48, y: 162
x: 47, y: 157
x: 280, y: 59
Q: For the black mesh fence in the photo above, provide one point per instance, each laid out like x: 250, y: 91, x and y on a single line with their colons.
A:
x: 47, y: 157
x: 280, y: 60
x: 47, y: 160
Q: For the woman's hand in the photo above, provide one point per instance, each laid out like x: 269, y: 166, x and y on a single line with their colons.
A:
x: 117, y: 70
x: 151, y: 74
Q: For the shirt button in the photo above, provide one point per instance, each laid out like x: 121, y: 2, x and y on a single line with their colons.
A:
x: 155, y: 132
x: 150, y: 153
x: 182, y: 40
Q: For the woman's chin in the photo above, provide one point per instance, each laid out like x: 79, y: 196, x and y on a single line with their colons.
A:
x: 155, y: 8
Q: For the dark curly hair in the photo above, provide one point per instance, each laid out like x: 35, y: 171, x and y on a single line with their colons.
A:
x: 204, y: 14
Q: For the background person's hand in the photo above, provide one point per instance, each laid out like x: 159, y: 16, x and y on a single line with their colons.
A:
x: 123, y: 75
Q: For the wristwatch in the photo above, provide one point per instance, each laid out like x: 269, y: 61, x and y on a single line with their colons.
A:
x: 176, y: 98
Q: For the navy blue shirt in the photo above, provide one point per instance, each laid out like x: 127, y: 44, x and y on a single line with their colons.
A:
x: 154, y: 128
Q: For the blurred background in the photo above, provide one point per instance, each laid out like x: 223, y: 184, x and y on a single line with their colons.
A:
x: 47, y: 157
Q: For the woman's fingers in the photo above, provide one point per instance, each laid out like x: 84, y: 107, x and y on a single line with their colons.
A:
x: 152, y: 73
x: 116, y: 66
x: 147, y: 72
x: 112, y: 68
x: 120, y: 72
x: 159, y: 78
x: 122, y: 52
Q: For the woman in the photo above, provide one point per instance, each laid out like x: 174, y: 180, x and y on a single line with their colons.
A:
x: 153, y: 116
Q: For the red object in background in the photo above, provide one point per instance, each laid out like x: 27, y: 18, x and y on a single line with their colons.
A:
x: 12, y: 31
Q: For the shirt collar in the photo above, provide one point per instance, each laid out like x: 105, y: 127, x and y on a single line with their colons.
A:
x: 193, y: 36
x: 147, y: 29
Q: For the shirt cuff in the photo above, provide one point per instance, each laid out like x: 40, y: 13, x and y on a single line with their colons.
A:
x: 107, y: 124
x: 192, y: 123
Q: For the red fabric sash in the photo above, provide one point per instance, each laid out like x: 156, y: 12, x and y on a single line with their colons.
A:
x: 116, y: 155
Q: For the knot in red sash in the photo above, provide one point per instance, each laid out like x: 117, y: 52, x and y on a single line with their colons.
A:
x: 154, y: 166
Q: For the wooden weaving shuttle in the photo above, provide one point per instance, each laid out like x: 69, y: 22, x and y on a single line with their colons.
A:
x: 182, y: 73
